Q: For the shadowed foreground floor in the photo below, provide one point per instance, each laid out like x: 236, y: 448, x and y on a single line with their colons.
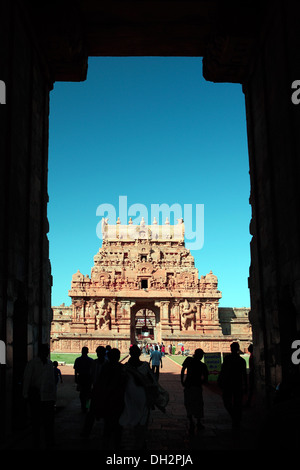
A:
x: 166, y: 433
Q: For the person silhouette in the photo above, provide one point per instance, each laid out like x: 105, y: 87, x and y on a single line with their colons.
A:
x: 98, y: 363
x: 83, y: 377
x: 250, y: 376
x: 233, y: 382
x: 57, y: 373
x: 156, y: 358
x: 196, y: 375
x: 107, y: 349
x: 137, y: 407
x: 39, y: 389
x: 110, y: 399
x: 96, y: 368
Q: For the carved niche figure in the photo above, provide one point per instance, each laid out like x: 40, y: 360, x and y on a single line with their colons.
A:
x: 104, y: 279
x: 91, y: 310
x: 103, y: 317
x: 188, y: 318
x: 171, y: 283
x: 185, y: 280
x: 78, y: 308
x: 210, y: 311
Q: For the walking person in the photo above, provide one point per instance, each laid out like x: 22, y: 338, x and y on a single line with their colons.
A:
x: 83, y: 377
x: 137, y: 405
x: 108, y: 398
x: 196, y: 376
x: 98, y: 363
x: 107, y: 349
x: 156, y: 358
x: 57, y: 373
x: 233, y: 382
x: 39, y: 389
x: 250, y: 376
x: 96, y: 369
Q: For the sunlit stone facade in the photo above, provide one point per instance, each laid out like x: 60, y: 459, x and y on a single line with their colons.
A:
x: 144, y: 287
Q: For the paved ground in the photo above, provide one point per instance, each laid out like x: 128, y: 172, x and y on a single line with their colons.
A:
x: 167, y: 432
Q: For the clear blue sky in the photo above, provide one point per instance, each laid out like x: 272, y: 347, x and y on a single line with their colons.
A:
x: 154, y: 130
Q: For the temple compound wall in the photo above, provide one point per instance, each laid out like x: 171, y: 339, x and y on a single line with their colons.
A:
x: 144, y: 287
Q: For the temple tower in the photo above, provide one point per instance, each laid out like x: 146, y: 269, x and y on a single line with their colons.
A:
x: 144, y: 286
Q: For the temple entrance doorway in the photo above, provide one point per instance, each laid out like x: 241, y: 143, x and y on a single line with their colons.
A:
x: 145, y: 321
x: 145, y: 324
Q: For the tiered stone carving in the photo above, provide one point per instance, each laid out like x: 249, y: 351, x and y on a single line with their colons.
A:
x: 145, y: 268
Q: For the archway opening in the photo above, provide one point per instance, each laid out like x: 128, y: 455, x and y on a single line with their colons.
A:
x: 149, y: 133
x: 145, y: 322
x: 145, y: 326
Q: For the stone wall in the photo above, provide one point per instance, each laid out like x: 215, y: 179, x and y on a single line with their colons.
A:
x: 234, y: 323
x: 25, y: 279
x: 254, y: 43
x: 273, y: 136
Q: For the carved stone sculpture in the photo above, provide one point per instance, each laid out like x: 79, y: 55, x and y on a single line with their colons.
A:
x: 103, y: 317
x: 188, y: 315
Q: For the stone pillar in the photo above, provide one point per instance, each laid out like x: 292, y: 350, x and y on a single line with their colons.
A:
x: 132, y: 326
x: 273, y: 123
x: 175, y: 317
x: 90, y: 313
x: 124, y: 317
x: 25, y: 277
x: 198, y: 315
x: 164, y: 318
x: 113, y: 316
x: 210, y: 325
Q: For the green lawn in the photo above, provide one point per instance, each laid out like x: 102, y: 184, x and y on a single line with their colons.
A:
x: 180, y: 359
x: 69, y: 358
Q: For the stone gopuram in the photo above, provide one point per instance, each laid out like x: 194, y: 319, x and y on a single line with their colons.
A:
x: 144, y: 287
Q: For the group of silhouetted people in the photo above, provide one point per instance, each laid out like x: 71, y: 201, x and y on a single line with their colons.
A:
x: 232, y: 380
x: 101, y: 384
x: 123, y: 395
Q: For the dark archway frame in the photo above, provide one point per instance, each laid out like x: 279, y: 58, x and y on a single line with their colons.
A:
x: 255, y: 43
